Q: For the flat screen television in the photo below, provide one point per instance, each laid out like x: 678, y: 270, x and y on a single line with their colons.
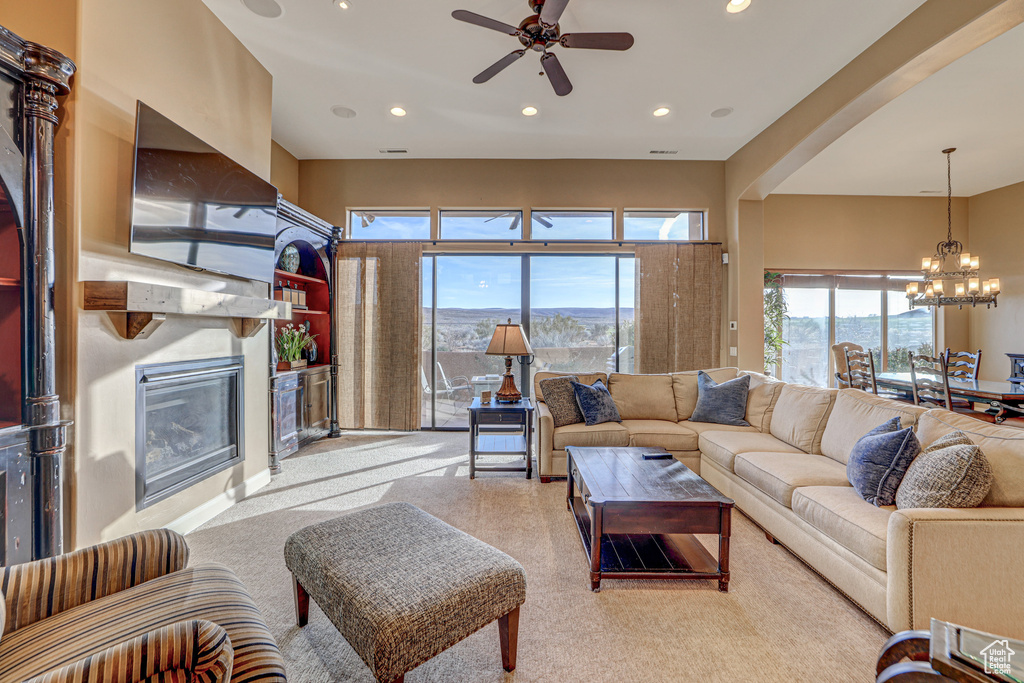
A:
x: 194, y: 206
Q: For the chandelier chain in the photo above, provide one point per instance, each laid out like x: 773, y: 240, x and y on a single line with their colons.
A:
x: 949, y: 197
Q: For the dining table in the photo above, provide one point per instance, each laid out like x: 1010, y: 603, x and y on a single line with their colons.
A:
x: 1003, y: 399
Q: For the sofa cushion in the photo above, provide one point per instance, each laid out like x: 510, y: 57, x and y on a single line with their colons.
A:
x: 801, y: 414
x: 723, y: 447
x: 880, y: 459
x: 684, y: 388
x: 561, y: 400
x: 671, y: 436
x: 701, y: 427
x: 585, y: 377
x: 951, y: 473
x: 643, y: 397
x: 779, y: 474
x: 856, y: 413
x: 607, y: 434
x: 207, y: 591
x: 596, y: 403
x: 724, y: 404
x: 839, y: 513
x: 1002, y: 446
x: 764, y: 394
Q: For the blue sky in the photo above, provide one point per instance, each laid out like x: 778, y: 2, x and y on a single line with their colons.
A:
x: 556, y: 281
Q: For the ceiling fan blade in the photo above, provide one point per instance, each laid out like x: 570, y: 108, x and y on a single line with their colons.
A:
x: 493, y: 70
x: 556, y: 74
x: 552, y: 11
x: 546, y: 223
x: 517, y: 221
x: 598, y: 41
x: 480, y: 20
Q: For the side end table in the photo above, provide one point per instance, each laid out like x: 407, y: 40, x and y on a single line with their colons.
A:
x: 501, y: 429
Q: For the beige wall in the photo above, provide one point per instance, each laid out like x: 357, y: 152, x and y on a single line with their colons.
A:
x: 998, y: 238
x: 178, y: 58
x: 328, y: 187
x: 284, y: 172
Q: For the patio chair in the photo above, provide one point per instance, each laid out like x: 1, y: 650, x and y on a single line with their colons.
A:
x: 459, y: 385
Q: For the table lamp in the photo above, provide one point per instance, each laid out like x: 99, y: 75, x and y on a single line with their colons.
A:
x: 509, y: 340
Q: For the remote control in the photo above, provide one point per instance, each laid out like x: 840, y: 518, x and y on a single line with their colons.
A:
x: 657, y: 456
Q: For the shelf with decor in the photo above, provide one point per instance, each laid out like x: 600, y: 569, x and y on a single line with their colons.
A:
x: 303, y: 405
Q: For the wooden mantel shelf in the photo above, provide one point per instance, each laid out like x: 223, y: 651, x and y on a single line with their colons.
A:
x: 138, y: 308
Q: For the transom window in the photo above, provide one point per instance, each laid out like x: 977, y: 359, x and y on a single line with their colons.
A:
x: 650, y: 226
x: 482, y: 225
x: 371, y: 224
x: 572, y: 225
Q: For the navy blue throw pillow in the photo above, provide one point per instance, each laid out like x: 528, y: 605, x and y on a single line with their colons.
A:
x: 595, y: 403
x: 879, y: 460
x: 724, y: 404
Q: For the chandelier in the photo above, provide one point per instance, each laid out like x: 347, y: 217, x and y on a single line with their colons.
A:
x: 951, y: 276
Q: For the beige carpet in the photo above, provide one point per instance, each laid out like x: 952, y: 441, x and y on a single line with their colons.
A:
x: 779, y: 622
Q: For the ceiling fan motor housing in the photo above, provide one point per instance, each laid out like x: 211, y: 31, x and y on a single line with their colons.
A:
x: 537, y: 37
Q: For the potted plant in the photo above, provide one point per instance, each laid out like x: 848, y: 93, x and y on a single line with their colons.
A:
x: 776, y: 309
x: 290, y: 342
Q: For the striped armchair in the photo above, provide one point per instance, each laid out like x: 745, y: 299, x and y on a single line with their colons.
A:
x: 130, y: 610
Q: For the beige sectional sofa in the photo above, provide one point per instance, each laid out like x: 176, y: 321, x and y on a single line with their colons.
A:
x: 787, y: 472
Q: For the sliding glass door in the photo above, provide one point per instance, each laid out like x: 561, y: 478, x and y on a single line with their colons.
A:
x: 576, y: 310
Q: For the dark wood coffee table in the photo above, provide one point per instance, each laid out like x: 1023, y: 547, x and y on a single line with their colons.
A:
x: 637, y: 518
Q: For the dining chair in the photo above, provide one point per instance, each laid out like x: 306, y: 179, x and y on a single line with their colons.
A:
x: 839, y: 355
x: 860, y: 370
x: 963, y: 364
x: 929, y: 381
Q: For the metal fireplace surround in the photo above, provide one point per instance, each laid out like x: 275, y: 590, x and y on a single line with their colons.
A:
x: 189, y: 424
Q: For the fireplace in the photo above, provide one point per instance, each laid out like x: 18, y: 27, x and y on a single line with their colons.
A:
x: 188, y: 424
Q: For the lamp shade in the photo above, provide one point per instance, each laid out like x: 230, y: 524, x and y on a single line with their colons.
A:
x: 509, y: 340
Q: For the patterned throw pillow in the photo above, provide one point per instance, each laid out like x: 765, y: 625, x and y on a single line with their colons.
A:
x: 951, y: 473
x: 561, y: 400
x: 725, y: 403
x: 596, y: 403
x: 879, y: 461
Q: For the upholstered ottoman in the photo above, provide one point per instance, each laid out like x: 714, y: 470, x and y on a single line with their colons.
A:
x: 402, y: 586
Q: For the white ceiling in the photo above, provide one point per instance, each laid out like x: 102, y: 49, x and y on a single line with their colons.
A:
x: 690, y: 55
x: 975, y: 104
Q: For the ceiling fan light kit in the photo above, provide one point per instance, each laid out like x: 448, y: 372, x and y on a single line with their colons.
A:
x: 539, y: 32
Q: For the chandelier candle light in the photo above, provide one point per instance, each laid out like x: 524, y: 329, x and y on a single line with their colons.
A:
x: 951, y: 276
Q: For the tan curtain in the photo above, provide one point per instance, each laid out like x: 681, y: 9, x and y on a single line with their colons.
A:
x: 377, y: 323
x: 679, y: 307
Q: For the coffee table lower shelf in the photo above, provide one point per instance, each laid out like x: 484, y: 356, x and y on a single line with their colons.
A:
x: 647, y: 556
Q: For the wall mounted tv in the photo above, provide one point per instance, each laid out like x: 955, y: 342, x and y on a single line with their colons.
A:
x: 194, y: 206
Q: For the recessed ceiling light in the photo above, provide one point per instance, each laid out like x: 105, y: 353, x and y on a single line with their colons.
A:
x: 398, y: 111
x: 529, y: 111
x: 721, y: 113
x: 735, y: 6
x: 343, y: 112
x: 343, y: 4
x: 268, y: 9
x: 662, y: 111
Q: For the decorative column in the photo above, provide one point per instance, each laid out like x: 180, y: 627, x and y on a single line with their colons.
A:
x: 46, y: 75
x: 332, y: 254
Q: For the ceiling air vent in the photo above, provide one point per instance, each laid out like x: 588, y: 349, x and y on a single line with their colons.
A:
x: 393, y: 150
x: 664, y: 151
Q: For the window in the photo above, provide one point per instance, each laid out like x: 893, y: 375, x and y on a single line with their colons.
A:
x: 572, y: 225
x: 651, y: 226
x: 366, y: 224
x: 577, y: 311
x: 481, y: 225
x: 870, y: 310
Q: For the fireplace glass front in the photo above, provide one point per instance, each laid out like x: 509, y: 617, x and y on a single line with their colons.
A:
x: 189, y: 424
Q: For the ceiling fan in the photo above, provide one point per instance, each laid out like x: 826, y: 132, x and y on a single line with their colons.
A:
x: 538, y: 32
